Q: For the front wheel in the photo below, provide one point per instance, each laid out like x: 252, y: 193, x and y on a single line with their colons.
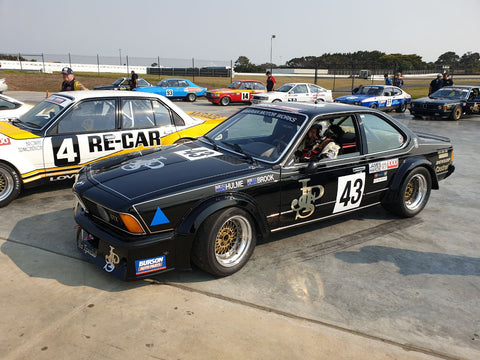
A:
x: 191, y: 97
x: 413, y: 194
x: 225, y: 101
x: 373, y: 106
x: 456, y: 113
x: 10, y: 184
x: 224, y: 242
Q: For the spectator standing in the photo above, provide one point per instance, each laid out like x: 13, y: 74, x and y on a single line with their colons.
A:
x: 397, y: 80
x: 69, y: 83
x: 270, y: 81
x: 133, y: 80
x: 388, y: 81
x: 446, y: 81
x: 435, y: 84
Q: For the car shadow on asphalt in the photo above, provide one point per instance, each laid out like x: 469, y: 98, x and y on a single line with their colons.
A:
x: 413, y: 262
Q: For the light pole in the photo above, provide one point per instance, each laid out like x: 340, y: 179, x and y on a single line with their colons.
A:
x: 120, y: 52
x: 271, y: 50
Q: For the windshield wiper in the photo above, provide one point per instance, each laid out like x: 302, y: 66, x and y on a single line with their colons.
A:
x: 238, y: 149
x: 211, y: 141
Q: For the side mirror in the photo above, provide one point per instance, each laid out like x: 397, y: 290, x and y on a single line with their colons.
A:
x: 311, y: 167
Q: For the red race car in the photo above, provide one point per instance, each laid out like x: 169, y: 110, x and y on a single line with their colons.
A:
x: 237, y: 91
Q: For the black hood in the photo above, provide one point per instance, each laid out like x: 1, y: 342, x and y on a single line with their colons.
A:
x: 159, y: 173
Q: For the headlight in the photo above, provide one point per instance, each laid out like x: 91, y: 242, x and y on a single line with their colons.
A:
x: 447, y: 107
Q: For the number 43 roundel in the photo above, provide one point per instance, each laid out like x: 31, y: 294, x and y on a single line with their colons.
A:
x: 349, y: 192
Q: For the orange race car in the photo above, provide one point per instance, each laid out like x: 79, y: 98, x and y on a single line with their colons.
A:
x: 237, y: 91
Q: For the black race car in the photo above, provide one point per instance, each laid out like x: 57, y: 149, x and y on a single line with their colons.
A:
x: 123, y: 84
x: 448, y: 102
x: 208, y: 200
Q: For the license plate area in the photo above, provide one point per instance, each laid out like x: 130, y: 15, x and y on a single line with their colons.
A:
x: 87, y: 243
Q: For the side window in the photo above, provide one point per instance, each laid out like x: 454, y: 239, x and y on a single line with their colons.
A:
x: 162, y: 114
x: 137, y: 114
x: 259, y: 86
x: 381, y: 136
x: 243, y: 86
x: 300, y: 89
x: 329, y: 139
x: 87, y: 116
x: 182, y: 83
x: 314, y: 89
x: 4, y: 104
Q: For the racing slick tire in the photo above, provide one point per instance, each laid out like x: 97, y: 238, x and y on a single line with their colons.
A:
x: 456, y: 113
x: 402, y: 108
x: 10, y: 184
x: 225, y: 101
x: 373, y: 106
x: 413, y: 194
x: 191, y: 97
x: 225, y: 241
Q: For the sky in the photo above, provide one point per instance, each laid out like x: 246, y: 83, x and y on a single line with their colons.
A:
x: 225, y: 30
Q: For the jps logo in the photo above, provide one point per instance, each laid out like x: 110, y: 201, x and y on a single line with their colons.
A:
x: 304, y: 206
x: 111, y: 260
x: 151, y: 164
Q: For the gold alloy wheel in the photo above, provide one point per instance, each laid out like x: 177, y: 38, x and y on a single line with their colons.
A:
x: 415, y: 192
x: 233, y: 240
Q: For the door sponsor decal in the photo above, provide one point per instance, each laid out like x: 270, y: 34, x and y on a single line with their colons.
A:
x: 349, y: 192
x: 304, y: 206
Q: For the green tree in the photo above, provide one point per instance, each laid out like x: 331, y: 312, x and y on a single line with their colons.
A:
x: 448, y: 59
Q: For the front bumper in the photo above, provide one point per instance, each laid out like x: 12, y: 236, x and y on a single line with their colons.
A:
x: 125, y: 260
x: 433, y: 111
x: 213, y: 99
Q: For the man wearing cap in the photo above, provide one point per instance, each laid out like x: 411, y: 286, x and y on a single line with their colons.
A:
x: 69, y: 83
x: 435, y: 84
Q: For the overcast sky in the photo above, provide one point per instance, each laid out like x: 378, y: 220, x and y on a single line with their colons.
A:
x: 225, y: 30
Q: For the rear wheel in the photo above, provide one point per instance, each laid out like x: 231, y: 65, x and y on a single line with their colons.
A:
x: 456, y: 113
x: 224, y: 242
x: 10, y: 184
x: 276, y: 100
x: 402, y: 108
x: 413, y: 195
x: 373, y: 106
x: 225, y: 101
x: 191, y: 97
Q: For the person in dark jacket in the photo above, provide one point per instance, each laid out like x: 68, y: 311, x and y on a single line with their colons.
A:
x: 435, y: 84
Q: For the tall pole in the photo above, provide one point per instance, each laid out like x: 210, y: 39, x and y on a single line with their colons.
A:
x: 120, y: 53
x: 271, y: 52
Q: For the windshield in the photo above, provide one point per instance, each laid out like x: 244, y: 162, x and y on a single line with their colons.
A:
x: 41, y: 114
x: 118, y: 81
x: 234, y: 85
x: 370, y: 90
x: 285, y: 88
x: 258, y: 133
x: 451, y: 93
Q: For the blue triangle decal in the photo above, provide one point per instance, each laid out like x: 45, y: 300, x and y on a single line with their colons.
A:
x: 159, y: 218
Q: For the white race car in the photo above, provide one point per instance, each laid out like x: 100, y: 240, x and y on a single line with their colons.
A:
x: 11, y: 108
x: 298, y: 92
x: 68, y: 130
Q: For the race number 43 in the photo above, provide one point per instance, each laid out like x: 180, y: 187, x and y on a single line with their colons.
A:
x: 349, y: 192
